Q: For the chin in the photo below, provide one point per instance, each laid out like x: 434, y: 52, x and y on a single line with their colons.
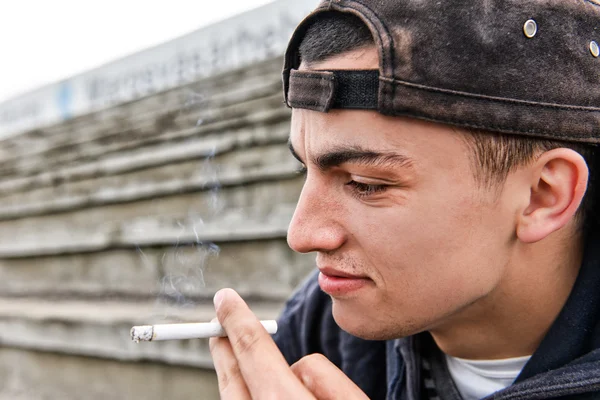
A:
x: 365, y: 325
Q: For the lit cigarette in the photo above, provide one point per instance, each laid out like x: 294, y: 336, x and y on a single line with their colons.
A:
x: 203, y: 330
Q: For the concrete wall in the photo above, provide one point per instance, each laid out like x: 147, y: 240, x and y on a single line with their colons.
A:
x: 137, y: 214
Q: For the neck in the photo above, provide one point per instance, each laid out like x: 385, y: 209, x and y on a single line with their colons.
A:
x: 512, y: 320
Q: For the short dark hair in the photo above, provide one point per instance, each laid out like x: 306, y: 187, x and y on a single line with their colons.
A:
x: 495, y: 155
x: 333, y: 34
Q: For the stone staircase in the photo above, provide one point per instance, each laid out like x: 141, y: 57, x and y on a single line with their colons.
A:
x: 134, y: 215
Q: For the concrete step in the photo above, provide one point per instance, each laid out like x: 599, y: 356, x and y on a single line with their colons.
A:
x: 232, y: 225
x: 241, y: 167
x: 34, y: 375
x: 256, y: 201
x: 126, y: 138
x: 260, y: 269
x: 146, y: 157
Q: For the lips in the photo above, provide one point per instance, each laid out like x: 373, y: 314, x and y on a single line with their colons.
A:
x: 332, y: 272
x: 338, y: 283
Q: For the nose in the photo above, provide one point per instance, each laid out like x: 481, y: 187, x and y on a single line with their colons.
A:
x: 317, y: 221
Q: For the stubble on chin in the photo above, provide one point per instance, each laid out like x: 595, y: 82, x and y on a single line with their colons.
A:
x: 371, y: 324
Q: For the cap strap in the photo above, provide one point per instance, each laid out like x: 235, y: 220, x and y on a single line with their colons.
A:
x: 325, y: 90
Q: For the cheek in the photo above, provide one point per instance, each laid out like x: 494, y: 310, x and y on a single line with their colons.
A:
x: 435, y: 254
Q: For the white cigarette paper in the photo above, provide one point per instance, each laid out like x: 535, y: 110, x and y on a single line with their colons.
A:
x: 202, y: 330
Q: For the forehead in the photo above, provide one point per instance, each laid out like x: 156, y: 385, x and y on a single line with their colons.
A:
x: 426, y: 143
x: 345, y: 127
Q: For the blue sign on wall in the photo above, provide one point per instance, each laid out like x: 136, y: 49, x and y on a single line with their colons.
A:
x: 64, y: 99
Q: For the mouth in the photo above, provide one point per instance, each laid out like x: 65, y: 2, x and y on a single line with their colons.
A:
x: 334, y: 273
x: 339, y: 283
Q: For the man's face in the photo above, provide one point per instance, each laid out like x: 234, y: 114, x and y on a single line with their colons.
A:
x: 391, y: 204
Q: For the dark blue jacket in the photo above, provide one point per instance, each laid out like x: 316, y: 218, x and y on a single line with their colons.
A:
x: 565, y: 366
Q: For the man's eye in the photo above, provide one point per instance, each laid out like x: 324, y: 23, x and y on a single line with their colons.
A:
x: 364, y: 189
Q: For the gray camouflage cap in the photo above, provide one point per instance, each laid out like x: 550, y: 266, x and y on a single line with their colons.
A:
x: 526, y: 67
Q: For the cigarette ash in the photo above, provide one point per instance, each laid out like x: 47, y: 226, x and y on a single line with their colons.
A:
x: 143, y: 333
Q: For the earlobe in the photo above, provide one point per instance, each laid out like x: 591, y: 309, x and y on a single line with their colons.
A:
x: 558, y: 184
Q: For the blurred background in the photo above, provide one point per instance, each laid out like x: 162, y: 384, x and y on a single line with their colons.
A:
x: 143, y: 166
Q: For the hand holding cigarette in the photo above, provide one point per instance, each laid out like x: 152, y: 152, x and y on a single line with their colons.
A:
x: 249, y: 365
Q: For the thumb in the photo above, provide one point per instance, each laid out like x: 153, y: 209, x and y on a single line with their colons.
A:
x: 326, y: 381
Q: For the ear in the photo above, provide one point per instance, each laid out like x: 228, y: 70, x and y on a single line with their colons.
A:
x: 558, y: 182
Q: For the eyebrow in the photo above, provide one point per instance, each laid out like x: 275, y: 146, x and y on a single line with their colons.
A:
x: 355, y: 154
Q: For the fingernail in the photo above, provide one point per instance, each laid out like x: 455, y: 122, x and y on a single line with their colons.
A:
x: 218, y: 298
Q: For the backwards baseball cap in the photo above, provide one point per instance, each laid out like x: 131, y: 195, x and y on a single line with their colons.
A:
x: 526, y: 67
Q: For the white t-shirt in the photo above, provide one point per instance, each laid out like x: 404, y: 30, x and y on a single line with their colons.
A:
x: 476, y: 379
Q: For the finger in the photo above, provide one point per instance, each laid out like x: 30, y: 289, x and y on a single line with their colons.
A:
x: 262, y: 365
x: 326, y: 381
x: 230, y: 379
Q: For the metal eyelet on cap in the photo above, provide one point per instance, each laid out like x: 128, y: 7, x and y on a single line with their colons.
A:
x: 594, y: 49
x: 530, y: 28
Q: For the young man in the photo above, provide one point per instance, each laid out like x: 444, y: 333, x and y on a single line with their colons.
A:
x: 450, y: 200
